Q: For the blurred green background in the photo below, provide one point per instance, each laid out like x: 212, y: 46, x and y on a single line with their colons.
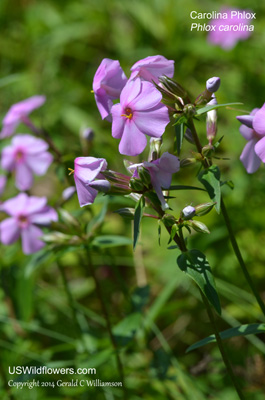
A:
x: 54, y: 48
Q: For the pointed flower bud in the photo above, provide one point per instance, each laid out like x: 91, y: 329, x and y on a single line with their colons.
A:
x: 155, y: 145
x: 68, y: 193
x: 213, y: 84
x: 188, y: 212
x: 203, y: 209
x: 144, y: 176
x: 188, y: 136
x: 136, y: 184
x: 211, y: 120
x: 189, y: 110
x: 199, y: 226
x: 172, y: 86
x: 186, y: 162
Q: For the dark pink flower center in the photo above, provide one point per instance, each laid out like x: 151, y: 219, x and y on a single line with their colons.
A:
x: 23, y: 221
x: 19, y: 156
x: 127, y: 113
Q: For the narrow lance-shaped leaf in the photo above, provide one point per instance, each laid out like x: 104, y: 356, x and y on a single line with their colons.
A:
x: 139, y: 208
x: 242, y: 330
x: 206, y: 109
x: 210, y: 178
x: 195, y: 264
x: 179, y: 131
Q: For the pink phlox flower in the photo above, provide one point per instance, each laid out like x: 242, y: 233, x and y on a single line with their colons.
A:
x: 228, y: 39
x: 253, y: 130
x: 161, y: 171
x: 87, y: 170
x: 18, y: 112
x: 139, y: 113
x: 27, y: 215
x: 26, y: 156
x: 108, y: 83
x: 151, y: 68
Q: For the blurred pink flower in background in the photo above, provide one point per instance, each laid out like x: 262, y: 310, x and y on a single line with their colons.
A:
x: 26, y: 215
x: 26, y: 156
x: 228, y: 39
x: 19, y: 113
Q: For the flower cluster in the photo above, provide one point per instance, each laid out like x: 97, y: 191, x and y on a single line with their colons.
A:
x: 26, y: 156
x: 140, y: 111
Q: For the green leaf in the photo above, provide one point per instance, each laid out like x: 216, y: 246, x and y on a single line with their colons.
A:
x: 106, y: 241
x: 98, y: 219
x: 206, y: 109
x: 173, y: 232
x: 195, y: 264
x: 210, y: 178
x: 241, y: 330
x: 140, y: 297
x: 139, y: 208
x: 126, y: 329
x: 159, y: 232
x: 179, y: 131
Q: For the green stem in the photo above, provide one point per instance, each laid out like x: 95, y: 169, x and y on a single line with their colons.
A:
x: 70, y: 298
x: 106, y: 316
x: 221, y: 347
x: 239, y: 257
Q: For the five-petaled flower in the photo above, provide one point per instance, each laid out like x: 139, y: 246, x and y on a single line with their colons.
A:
x: 228, y: 38
x: 253, y: 130
x: 26, y: 215
x: 108, y: 83
x: 87, y: 169
x: 19, y: 113
x: 26, y: 156
x: 161, y: 171
x: 139, y: 113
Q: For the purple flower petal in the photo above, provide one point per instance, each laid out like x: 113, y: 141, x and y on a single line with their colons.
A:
x: 108, y: 82
x: 35, y: 204
x: 8, y: 158
x: 259, y: 121
x: 151, y: 68
x: 246, y: 132
x: 88, y: 168
x: 148, y: 99
x: 133, y: 141
x: 118, y: 122
x: 249, y: 158
x: 9, y: 231
x: 86, y: 195
x: 153, y: 122
x: 130, y: 91
x: 32, y: 144
x: 24, y: 177
x: 15, y: 205
x: 45, y: 217
x: 260, y: 149
x: 30, y: 239
x: 39, y: 163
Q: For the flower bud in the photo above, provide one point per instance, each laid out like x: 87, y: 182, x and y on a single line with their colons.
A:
x: 211, y: 119
x: 189, y: 110
x: 101, y: 185
x: 199, y: 226
x: 144, y: 176
x: 87, y: 134
x: 169, y: 220
x: 172, y: 86
x: 86, y: 139
x: 155, y: 145
x: 60, y: 238
x: 213, y: 84
x: 186, y: 162
x: 68, y: 193
x: 207, y: 150
x: 203, y: 209
x: 136, y: 184
x: 187, y: 212
x: 67, y: 218
x: 246, y: 120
